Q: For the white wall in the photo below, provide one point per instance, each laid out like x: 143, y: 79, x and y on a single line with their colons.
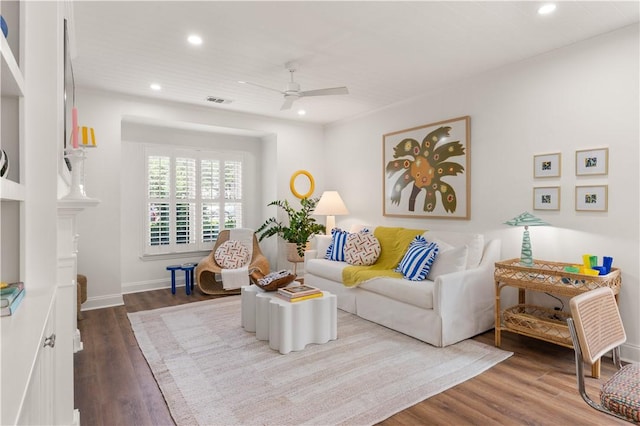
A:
x: 108, y: 253
x: 583, y: 96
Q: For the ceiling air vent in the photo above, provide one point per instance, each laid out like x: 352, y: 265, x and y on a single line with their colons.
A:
x: 217, y: 100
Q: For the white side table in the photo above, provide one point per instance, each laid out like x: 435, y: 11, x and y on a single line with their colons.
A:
x: 289, y: 326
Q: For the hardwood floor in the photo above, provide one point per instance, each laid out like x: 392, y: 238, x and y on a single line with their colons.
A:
x: 536, y: 386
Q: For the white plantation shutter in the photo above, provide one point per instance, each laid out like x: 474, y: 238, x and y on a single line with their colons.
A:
x: 210, y: 194
x: 158, y: 196
x: 191, y: 196
x: 232, y: 194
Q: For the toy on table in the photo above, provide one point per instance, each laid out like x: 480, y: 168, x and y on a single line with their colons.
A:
x: 590, y: 266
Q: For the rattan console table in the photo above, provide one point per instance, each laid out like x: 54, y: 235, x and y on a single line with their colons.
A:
x: 546, y: 277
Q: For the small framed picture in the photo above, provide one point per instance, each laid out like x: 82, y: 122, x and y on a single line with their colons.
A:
x: 592, y: 162
x: 546, y: 165
x: 546, y: 198
x: 592, y: 198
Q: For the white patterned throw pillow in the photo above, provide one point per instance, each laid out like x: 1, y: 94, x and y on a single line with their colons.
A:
x: 362, y: 249
x: 231, y: 255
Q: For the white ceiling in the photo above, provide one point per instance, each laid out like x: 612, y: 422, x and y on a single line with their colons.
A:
x: 384, y: 52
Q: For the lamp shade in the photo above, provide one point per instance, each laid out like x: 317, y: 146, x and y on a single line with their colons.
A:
x: 330, y: 204
x: 526, y: 219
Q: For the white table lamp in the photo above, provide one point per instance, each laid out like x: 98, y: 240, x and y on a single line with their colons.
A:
x: 331, y: 205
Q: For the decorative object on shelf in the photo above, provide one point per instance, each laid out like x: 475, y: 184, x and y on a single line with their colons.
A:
x: 591, y: 162
x: 590, y: 265
x: 76, y: 157
x: 331, y: 205
x: 428, y: 165
x: 74, y: 128
x: 526, y: 219
x: 88, y: 137
x: 547, y: 165
x: 301, y: 227
x: 292, y: 184
x: 4, y: 27
x: 76, y: 191
x: 4, y: 163
x: 592, y: 198
x: 546, y: 198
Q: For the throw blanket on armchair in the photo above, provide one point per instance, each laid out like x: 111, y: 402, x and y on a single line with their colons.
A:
x: 235, y: 278
x: 393, y: 245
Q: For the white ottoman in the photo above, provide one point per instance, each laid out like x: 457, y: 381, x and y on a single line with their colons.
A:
x: 289, y: 326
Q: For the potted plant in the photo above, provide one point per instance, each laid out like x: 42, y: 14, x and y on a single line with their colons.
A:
x: 298, y: 231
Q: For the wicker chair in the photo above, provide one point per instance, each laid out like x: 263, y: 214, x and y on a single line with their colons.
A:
x: 596, y: 328
x: 207, y: 268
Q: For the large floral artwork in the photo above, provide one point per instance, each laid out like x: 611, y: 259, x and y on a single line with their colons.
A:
x: 426, y: 171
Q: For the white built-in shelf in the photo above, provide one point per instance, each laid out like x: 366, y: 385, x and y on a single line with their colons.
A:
x: 12, y: 78
x: 12, y: 191
x: 22, y: 336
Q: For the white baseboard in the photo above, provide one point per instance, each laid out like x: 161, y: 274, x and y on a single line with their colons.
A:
x: 134, y: 287
x: 103, y: 302
x: 630, y: 353
x: 139, y: 286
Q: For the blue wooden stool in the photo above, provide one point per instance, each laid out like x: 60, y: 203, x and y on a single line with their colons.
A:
x: 188, y: 275
x: 173, y: 269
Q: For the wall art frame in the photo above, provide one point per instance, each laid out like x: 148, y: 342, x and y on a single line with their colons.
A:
x: 546, y: 198
x: 547, y: 165
x: 592, y: 162
x: 426, y: 171
x: 592, y: 198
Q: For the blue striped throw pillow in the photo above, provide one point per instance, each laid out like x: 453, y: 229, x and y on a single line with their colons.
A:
x: 335, y: 251
x: 417, y: 261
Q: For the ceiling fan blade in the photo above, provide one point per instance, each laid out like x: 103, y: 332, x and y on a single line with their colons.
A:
x: 261, y: 86
x: 288, y: 102
x: 323, y: 92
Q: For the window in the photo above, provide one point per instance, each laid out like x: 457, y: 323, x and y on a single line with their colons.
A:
x: 189, y: 194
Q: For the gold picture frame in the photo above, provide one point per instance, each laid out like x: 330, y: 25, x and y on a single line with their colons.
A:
x: 426, y: 171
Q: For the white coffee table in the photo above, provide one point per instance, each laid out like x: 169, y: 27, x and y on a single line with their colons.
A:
x: 289, y: 326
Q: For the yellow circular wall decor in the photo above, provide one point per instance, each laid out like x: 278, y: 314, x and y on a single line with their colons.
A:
x: 292, y: 184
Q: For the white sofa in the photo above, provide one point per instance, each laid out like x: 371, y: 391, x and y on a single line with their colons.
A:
x: 441, y: 310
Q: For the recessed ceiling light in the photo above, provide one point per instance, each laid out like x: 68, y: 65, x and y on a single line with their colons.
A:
x: 155, y: 86
x: 302, y: 112
x: 546, y: 8
x: 195, y: 39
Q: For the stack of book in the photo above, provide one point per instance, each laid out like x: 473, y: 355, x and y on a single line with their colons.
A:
x: 10, y: 297
x: 297, y: 293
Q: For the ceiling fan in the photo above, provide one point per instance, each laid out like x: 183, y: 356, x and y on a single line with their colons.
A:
x: 293, y: 92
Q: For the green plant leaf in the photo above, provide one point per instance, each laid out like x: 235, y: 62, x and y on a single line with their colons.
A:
x: 300, y: 227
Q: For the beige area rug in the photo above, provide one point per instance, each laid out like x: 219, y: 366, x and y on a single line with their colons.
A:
x: 213, y: 372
